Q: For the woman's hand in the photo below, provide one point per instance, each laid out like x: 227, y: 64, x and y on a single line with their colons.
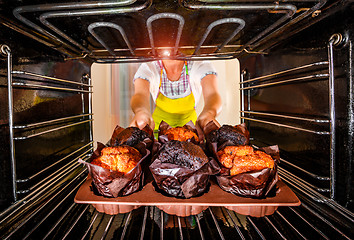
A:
x: 141, y: 119
x: 206, y: 117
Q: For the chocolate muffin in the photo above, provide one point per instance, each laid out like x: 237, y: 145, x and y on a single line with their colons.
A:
x: 181, y: 169
x: 184, y: 154
x: 236, y: 135
x: 130, y: 136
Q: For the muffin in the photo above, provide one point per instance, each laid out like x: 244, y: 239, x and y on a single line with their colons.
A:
x: 181, y: 169
x: 241, y: 159
x: 130, y: 136
x: 116, y: 171
x: 237, y: 135
x: 247, y: 172
x: 186, y: 133
x: 180, y: 134
x: 122, y: 158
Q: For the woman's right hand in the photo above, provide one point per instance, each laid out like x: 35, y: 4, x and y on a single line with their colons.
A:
x: 141, y: 119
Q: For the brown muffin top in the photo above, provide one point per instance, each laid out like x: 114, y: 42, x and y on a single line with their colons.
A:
x: 184, y: 154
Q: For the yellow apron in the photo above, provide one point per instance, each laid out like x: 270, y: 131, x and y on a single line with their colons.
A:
x: 176, y: 112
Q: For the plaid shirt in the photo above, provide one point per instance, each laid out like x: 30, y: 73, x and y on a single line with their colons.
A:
x: 174, y: 89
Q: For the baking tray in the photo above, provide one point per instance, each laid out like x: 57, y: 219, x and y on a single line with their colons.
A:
x: 148, y: 196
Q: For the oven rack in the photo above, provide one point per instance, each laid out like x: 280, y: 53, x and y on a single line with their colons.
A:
x: 213, y: 223
x: 150, y: 222
x: 24, y: 187
x: 291, y: 14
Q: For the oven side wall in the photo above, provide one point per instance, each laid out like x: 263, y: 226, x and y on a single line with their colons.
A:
x: 307, y: 153
x: 54, y: 103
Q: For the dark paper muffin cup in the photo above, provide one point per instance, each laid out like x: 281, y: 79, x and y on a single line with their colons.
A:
x: 110, y: 183
x: 180, y: 181
x: 255, y: 184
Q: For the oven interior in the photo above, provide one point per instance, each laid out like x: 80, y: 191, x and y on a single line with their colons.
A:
x: 296, y: 91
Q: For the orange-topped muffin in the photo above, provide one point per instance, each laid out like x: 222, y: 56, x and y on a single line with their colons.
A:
x: 241, y: 159
x: 181, y: 134
x: 121, y: 158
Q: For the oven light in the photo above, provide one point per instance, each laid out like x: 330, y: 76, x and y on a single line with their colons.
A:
x: 166, y: 53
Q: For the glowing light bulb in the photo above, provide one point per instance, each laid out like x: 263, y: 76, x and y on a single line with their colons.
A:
x: 166, y: 53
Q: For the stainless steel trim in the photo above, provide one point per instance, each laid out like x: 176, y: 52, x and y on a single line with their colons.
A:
x: 180, y: 227
x: 315, y: 176
x: 216, y: 224
x: 41, y: 207
x: 308, y: 223
x: 339, y: 208
x: 240, y: 21
x: 7, y: 51
x: 289, y: 9
x: 89, y: 227
x: 274, y: 227
x: 32, y: 197
x: 90, y: 105
x: 76, y: 221
x: 52, y: 210
x: 92, y: 26
x: 140, y: 60
x: 70, y: 165
x: 43, y: 18
x: 59, y: 220
x: 31, y: 125
x: 235, y: 225
x: 160, y: 16
x: 52, y: 130
x: 285, y: 71
x: 58, y: 161
x: 332, y: 116
x: 285, y: 220
x: 325, y: 221
x: 126, y: 226
x: 287, y: 126
x: 66, y: 6
x: 199, y: 227
x: 144, y: 223
x: 107, y: 227
x: 162, y: 224
x: 287, y: 117
x: 164, y: 48
x: 311, y: 77
x: 49, y: 78
x: 255, y: 227
x: 292, y: 22
x: 18, y: 84
x: 242, y: 96
x: 301, y: 185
